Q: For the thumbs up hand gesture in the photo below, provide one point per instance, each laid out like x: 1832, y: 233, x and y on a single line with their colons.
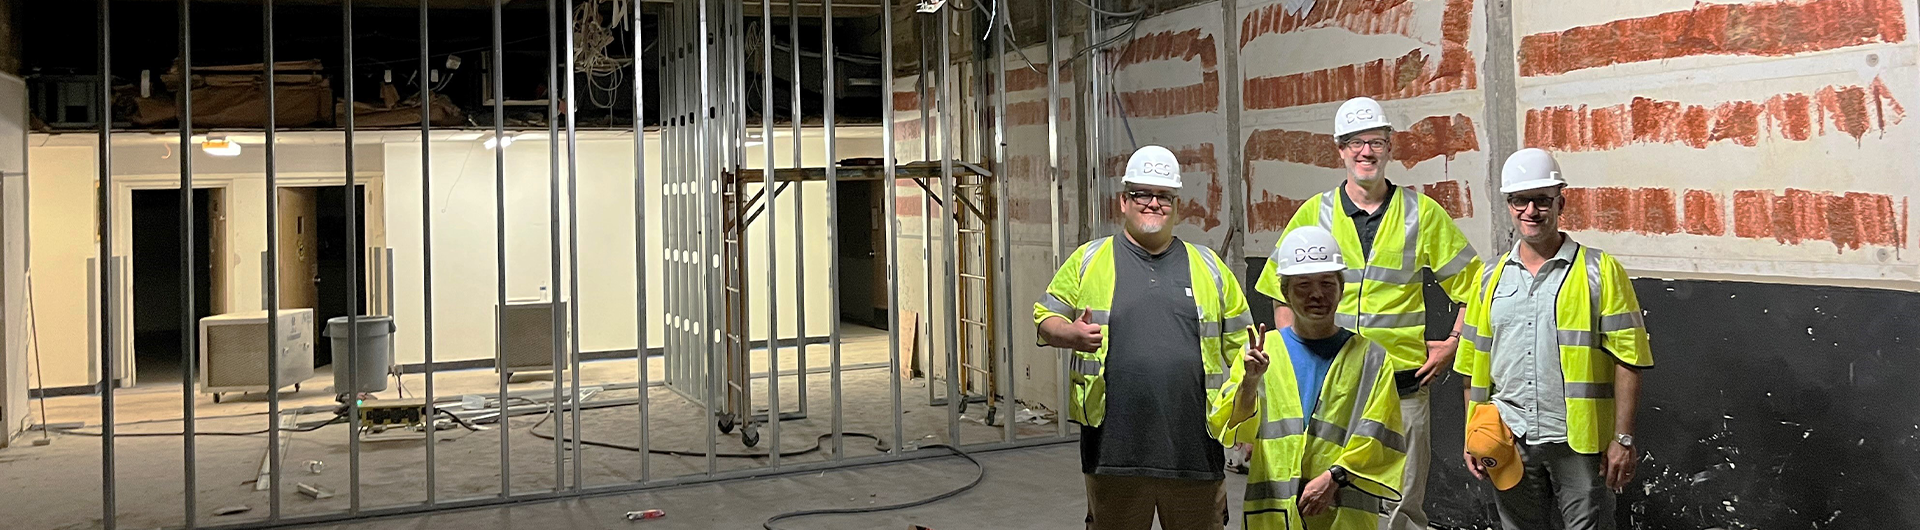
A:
x: 1256, y: 355
x: 1084, y: 335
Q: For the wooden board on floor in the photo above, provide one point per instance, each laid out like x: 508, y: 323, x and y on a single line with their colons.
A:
x: 910, y: 345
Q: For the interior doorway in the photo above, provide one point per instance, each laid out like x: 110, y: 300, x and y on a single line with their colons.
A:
x: 158, y: 328
x: 863, y: 273
x: 314, y: 252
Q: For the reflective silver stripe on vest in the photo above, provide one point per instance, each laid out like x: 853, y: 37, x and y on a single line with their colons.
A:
x: 1098, y: 316
x: 1329, y: 202
x: 1053, y: 303
x: 1623, y: 321
x: 1353, y: 498
x: 1327, y: 431
x: 1410, y: 246
x: 1240, y: 321
x: 1346, y: 320
x: 1472, y: 335
x: 1590, y: 390
x: 1350, y: 275
x: 1273, y: 490
x: 1282, y: 428
x: 1370, y: 375
x: 1593, y: 293
x: 1215, y: 381
x: 1392, y: 320
x: 1379, y: 431
x: 1085, y: 366
x: 1093, y: 247
x: 1457, y: 264
x: 1575, y: 337
x: 1479, y: 394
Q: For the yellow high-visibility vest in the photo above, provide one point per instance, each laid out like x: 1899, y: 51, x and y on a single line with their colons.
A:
x: 1596, y: 311
x: 1383, y: 301
x: 1086, y: 282
x: 1356, y: 425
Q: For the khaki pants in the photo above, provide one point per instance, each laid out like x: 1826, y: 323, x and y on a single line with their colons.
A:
x: 1409, y: 513
x: 1129, y: 503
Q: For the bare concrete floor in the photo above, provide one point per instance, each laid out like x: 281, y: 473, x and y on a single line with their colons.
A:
x: 58, y: 486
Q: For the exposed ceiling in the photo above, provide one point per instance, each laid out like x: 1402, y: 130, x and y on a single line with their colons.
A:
x: 806, y: 8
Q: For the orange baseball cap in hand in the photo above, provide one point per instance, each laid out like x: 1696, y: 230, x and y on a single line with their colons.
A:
x: 1490, y: 442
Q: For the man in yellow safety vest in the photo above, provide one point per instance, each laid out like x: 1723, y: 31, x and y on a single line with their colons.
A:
x: 1555, y: 345
x: 1148, y: 359
x: 1390, y: 235
x: 1328, y: 445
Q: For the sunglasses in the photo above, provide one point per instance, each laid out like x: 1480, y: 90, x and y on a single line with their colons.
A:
x: 1541, y: 202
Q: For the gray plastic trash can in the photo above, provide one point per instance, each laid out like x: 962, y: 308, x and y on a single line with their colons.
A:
x: 373, y: 357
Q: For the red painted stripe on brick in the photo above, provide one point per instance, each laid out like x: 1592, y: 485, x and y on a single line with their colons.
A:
x: 1771, y: 29
x: 1196, y: 98
x: 1270, y: 213
x: 1185, y: 45
x: 1365, y: 18
x: 1031, y: 171
x: 1854, y: 110
x: 1850, y: 220
x: 1023, y: 77
x: 1703, y: 213
x: 1411, y: 75
x: 1429, y: 138
x: 906, y: 130
x: 904, y: 101
x: 1639, y: 210
x: 1453, y: 195
x: 904, y: 205
x: 1035, y: 113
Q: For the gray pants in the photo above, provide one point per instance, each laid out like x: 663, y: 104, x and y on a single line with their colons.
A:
x: 1556, y: 476
x: 1408, y: 514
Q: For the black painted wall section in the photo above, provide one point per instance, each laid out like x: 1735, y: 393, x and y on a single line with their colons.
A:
x: 1771, y: 406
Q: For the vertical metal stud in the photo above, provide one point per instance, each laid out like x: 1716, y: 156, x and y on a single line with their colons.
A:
x: 799, y: 207
x: 103, y: 213
x: 1057, y: 253
x: 1001, y: 183
x: 773, y: 247
x: 573, y: 243
x: 641, y: 292
x: 353, y: 271
x: 559, y: 321
x: 948, y: 109
x: 500, y: 242
x: 426, y: 250
x: 893, y: 227
x: 190, y: 477
x: 833, y: 231
x: 271, y: 283
x: 708, y: 135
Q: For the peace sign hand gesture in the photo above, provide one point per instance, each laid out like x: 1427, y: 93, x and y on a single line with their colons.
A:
x: 1256, y: 360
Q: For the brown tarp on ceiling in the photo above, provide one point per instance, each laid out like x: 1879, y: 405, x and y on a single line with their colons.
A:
x: 235, y: 97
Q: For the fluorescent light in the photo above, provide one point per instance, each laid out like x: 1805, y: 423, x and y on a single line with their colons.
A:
x: 500, y: 141
x: 220, y: 147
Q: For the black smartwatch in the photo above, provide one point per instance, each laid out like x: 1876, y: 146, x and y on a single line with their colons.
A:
x: 1339, y: 475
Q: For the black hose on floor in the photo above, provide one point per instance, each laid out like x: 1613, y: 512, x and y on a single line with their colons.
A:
x: 878, y: 444
x: 981, y: 475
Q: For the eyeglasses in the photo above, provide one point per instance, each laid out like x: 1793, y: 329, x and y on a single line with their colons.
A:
x: 1378, y: 144
x: 1147, y: 198
x: 1540, y: 202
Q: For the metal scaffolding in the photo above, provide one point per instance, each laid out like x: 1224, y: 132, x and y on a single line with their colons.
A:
x: 707, y: 194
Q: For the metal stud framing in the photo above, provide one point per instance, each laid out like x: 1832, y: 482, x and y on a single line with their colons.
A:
x: 702, y: 58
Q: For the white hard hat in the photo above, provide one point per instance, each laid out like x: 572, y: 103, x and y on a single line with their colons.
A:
x: 1153, y: 166
x: 1310, y: 250
x: 1530, y: 169
x: 1359, y: 114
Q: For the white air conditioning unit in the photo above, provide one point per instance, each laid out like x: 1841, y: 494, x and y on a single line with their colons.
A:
x: 233, y: 351
x: 527, y: 331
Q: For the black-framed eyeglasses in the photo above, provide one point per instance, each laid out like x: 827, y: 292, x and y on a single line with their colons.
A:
x: 1541, y: 202
x: 1147, y: 198
x: 1378, y: 144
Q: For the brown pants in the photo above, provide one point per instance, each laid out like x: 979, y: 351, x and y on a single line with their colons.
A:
x: 1129, y: 503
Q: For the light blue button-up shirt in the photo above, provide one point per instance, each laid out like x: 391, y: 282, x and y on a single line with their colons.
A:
x: 1528, y: 386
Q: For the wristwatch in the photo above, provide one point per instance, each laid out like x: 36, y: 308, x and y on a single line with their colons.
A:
x: 1625, y: 440
x: 1339, y: 475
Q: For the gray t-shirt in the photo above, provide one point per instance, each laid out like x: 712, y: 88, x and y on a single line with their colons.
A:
x: 1156, y: 423
x: 1528, y: 385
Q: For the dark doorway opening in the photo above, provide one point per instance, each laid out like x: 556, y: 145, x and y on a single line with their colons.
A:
x: 330, y: 253
x: 157, y: 290
x: 863, y: 273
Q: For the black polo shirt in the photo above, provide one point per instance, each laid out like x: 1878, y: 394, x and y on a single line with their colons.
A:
x: 1367, y: 223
